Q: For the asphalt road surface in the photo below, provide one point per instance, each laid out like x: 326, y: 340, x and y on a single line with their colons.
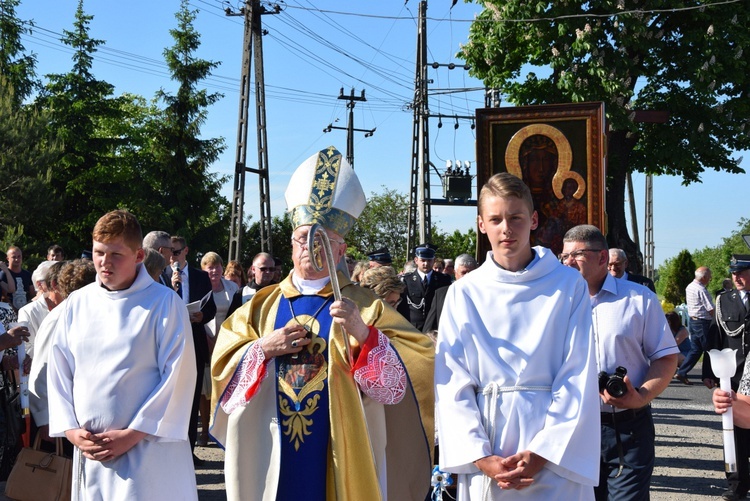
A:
x: 689, y: 451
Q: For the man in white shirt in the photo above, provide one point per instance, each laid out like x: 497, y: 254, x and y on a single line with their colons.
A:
x: 631, y: 333
x: 701, y: 312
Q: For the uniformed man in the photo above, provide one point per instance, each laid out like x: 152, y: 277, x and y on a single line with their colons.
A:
x: 729, y: 329
x: 421, y: 285
x: 380, y: 257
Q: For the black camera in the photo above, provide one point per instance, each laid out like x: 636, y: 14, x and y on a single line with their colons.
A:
x: 614, y: 383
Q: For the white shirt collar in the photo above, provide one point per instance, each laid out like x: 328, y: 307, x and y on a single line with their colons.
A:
x: 307, y: 287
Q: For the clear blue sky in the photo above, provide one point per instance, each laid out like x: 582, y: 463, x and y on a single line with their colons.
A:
x: 312, y: 50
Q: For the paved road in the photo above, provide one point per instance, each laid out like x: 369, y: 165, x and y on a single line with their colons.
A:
x: 689, y: 453
x: 689, y: 450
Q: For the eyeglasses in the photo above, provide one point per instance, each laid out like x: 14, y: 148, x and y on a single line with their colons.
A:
x: 576, y: 254
x: 615, y: 264
x: 302, y: 240
x: 171, y: 249
x: 265, y: 270
x: 177, y: 252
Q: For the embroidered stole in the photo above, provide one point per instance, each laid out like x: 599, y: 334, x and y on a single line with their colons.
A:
x: 303, y: 403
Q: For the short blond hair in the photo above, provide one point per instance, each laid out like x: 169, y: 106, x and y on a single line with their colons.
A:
x: 382, y: 281
x: 211, y: 259
x: 359, y: 270
x: 505, y: 185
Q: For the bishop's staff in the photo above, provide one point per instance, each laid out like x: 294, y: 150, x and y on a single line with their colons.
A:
x: 724, y: 365
x: 325, y: 246
x: 328, y: 254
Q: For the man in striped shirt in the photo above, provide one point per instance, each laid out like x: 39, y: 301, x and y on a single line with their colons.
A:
x: 701, y: 312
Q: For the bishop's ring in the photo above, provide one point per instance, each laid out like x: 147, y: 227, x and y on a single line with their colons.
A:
x: 295, y: 343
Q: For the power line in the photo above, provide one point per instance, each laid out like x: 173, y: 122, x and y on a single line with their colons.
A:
x: 618, y: 13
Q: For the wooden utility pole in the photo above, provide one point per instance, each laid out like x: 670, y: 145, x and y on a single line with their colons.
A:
x: 252, y: 12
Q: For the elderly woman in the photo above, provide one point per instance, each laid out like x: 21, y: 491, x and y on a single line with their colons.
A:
x: 223, y: 291
x: 384, y: 282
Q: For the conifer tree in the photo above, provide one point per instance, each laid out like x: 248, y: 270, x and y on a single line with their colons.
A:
x: 16, y: 65
x: 183, y: 158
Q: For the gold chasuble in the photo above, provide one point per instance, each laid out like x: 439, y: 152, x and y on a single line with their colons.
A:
x: 400, y: 435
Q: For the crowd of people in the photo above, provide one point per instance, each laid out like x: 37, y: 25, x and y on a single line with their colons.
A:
x: 355, y: 382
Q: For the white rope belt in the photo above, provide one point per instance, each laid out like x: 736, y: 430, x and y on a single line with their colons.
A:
x: 493, y: 390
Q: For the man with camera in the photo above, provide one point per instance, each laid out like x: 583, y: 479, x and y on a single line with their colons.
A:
x: 637, y: 356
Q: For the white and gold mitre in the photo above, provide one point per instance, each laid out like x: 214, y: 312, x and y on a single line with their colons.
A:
x: 325, y: 190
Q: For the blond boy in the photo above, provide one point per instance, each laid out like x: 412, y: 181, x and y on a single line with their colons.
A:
x: 514, y: 372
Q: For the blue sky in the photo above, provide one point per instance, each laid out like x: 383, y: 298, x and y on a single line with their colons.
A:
x: 312, y: 50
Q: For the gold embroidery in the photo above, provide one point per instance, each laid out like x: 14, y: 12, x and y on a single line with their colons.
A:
x: 311, y: 363
x: 323, y: 184
x: 319, y: 208
x: 297, y: 423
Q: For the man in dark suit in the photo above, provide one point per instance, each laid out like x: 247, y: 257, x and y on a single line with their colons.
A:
x: 730, y: 329
x: 618, y: 265
x: 464, y: 264
x: 193, y: 285
x: 421, y: 286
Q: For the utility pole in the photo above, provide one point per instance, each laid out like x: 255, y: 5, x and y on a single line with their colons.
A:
x: 648, y: 258
x: 420, y: 218
x: 350, y: 130
x: 252, y: 39
x: 633, y: 214
x: 654, y: 117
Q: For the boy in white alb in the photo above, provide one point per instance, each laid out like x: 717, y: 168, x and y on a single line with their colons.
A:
x: 515, y: 375
x: 121, y: 376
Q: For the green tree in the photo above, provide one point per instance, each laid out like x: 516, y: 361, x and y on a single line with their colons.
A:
x: 27, y: 150
x: 189, y: 192
x: 17, y: 66
x: 676, y: 274
x: 450, y: 245
x: 680, y: 57
x: 281, y: 240
x: 86, y: 171
x: 382, y: 224
x: 130, y: 132
x: 717, y: 258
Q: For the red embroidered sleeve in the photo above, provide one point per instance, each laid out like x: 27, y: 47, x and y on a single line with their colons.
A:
x: 378, y: 371
x: 246, y: 380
